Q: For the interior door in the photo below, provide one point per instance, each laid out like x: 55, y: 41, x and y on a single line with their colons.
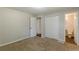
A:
x: 52, y: 27
x: 33, y: 27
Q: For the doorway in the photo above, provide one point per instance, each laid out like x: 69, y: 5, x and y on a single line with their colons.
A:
x: 32, y: 27
x: 70, y: 28
x: 38, y: 26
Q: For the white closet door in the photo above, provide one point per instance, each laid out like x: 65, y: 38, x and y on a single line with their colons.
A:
x: 33, y: 27
x: 52, y: 27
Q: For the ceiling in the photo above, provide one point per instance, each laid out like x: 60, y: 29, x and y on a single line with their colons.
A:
x: 40, y: 10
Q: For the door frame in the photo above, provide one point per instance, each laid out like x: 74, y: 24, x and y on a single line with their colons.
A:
x: 31, y: 27
x: 76, y: 27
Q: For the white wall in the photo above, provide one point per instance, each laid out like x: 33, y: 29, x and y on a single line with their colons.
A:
x: 61, y: 14
x: 43, y: 26
x: 60, y: 24
x: 77, y: 28
x: 33, y: 26
x: 52, y: 27
x: 14, y: 25
x: 38, y: 25
x: 61, y: 28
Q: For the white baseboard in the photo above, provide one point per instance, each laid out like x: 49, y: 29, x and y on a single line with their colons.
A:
x: 13, y: 41
x: 61, y: 41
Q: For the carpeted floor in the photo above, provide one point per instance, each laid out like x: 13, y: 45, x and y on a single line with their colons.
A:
x: 39, y: 44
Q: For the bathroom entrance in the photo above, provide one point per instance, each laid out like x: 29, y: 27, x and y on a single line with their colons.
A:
x: 70, y: 20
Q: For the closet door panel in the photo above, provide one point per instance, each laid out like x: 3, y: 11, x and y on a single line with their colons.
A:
x: 52, y: 27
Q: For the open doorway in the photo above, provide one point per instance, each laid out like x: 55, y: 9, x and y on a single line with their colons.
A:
x: 32, y: 27
x: 38, y: 24
x: 70, y: 28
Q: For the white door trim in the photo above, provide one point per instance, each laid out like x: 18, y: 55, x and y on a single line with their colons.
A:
x: 76, y: 27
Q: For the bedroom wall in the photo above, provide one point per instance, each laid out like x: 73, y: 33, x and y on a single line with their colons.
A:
x: 33, y: 24
x: 77, y: 28
x: 52, y: 27
x: 61, y: 14
x: 38, y: 25
x: 58, y: 26
x: 43, y: 26
x: 61, y: 21
x: 14, y: 25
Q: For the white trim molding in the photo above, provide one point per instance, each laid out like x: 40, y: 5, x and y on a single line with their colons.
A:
x: 13, y: 41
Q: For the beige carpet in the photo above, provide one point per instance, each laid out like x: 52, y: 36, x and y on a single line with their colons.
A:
x: 39, y: 44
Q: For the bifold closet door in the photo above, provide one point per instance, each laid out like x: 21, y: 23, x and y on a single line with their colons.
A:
x: 52, y: 27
